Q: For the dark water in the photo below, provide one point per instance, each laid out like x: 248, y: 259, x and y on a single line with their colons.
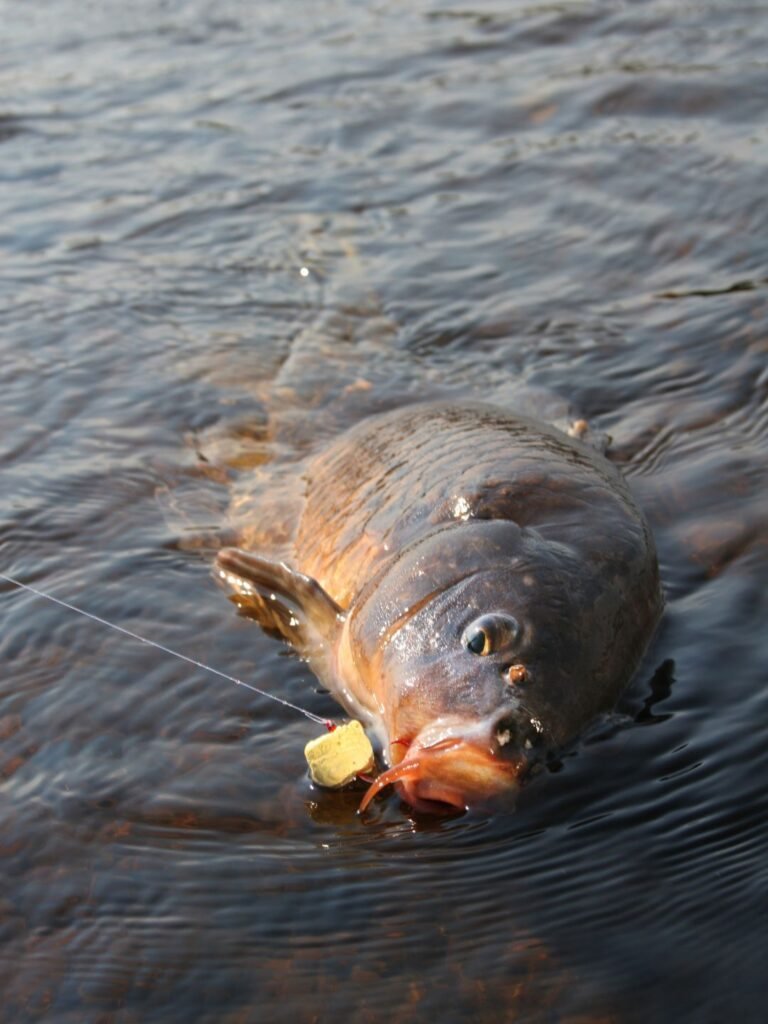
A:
x: 567, y: 195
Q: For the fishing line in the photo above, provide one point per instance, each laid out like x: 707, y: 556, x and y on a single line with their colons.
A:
x: 167, y: 650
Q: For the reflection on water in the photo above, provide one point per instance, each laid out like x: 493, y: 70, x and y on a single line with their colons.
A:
x: 553, y: 204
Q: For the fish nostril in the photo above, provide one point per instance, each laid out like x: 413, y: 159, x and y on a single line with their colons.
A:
x: 517, y: 674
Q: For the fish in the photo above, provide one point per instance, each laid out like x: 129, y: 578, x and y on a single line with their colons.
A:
x: 472, y: 585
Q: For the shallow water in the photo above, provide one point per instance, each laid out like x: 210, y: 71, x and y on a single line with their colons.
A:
x: 568, y: 197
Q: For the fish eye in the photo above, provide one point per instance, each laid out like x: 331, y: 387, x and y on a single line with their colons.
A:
x: 490, y: 634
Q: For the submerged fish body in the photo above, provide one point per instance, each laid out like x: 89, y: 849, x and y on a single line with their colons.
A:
x: 474, y: 586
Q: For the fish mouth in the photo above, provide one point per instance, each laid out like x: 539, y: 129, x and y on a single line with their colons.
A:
x: 449, y: 776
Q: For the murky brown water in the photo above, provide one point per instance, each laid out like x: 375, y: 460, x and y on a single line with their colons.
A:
x: 487, y: 200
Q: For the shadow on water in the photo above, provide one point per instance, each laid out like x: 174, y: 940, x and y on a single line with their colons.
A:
x: 10, y: 127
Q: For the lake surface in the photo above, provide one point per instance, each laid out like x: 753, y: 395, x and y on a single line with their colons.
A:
x: 212, y: 212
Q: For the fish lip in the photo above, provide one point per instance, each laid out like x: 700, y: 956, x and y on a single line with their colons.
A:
x: 432, y: 787
x: 427, y: 795
x: 480, y: 738
x: 431, y: 798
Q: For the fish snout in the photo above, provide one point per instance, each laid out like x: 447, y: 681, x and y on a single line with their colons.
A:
x: 444, y: 770
x: 517, y: 735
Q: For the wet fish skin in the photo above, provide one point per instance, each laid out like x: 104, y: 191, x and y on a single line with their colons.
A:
x: 418, y: 522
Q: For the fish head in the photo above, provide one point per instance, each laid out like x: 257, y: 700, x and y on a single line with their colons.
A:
x: 484, y: 651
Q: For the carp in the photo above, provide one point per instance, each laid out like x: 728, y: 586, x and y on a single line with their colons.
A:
x: 472, y: 585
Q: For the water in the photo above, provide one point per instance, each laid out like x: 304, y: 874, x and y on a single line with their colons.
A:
x: 569, y: 197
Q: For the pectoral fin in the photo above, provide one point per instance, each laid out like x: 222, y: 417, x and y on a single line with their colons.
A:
x: 283, y: 601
